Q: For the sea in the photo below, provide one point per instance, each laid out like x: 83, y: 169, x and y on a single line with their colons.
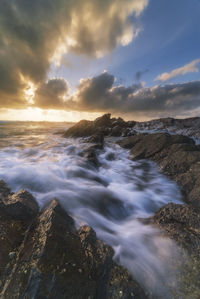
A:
x: 114, y: 199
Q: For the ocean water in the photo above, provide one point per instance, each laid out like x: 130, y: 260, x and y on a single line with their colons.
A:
x: 112, y: 199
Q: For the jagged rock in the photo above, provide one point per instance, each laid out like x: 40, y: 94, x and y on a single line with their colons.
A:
x: 21, y: 205
x: 83, y: 128
x: 48, y: 258
x: 188, y: 126
x: 177, y: 156
x: 104, y: 125
x: 116, y: 131
x: 13, y: 225
x: 4, y: 190
x: 11, y: 236
x: 103, y: 121
x: 98, y: 139
x: 91, y: 155
x: 182, y: 223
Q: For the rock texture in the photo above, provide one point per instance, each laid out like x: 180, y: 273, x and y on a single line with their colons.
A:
x: 177, y: 156
x: 102, y: 125
x: 182, y: 224
x: 43, y: 256
x: 189, y: 126
x: 117, y: 127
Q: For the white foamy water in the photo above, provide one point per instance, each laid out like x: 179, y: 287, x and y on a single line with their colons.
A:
x: 112, y: 199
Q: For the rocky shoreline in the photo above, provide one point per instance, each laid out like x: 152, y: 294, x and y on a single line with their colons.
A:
x: 43, y: 255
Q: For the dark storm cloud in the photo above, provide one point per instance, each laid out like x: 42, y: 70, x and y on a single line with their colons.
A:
x: 35, y: 33
x: 100, y: 94
x: 50, y: 95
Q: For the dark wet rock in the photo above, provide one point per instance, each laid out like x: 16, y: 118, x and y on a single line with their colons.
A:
x: 21, y: 205
x: 102, y: 125
x: 48, y: 258
x: 11, y: 236
x: 16, y: 213
x: 91, y: 154
x: 103, y: 121
x: 83, y: 128
x: 182, y: 223
x: 97, y: 139
x: 177, y: 156
x: 4, y: 190
x: 116, y: 131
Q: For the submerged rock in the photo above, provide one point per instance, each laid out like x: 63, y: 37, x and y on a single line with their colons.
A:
x: 21, y: 205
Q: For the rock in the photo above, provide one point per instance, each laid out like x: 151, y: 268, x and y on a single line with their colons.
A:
x: 98, y: 139
x: 182, y: 223
x: 119, y: 122
x: 116, y: 131
x: 4, y: 190
x: 177, y: 156
x: 103, y: 121
x: 49, y: 258
x: 11, y: 235
x: 91, y: 155
x: 83, y: 128
x: 21, y: 205
x: 12, y: 230
x: 188, y: 126
x: 12, y: 255
x: 104, y: 125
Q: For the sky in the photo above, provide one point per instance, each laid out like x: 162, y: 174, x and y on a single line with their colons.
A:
x: 66, y: 60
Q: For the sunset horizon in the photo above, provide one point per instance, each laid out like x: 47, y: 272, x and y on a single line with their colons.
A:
x: 145, y: 65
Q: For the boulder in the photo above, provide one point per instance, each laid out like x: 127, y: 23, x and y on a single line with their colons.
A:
x: 91, y: 155
x: 116, y: 131
x: 21, y: 205
x: 97, y: 139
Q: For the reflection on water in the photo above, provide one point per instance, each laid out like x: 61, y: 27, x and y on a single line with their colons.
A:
x: 21, y: 134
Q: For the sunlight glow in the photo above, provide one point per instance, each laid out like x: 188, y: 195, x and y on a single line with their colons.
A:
x: 36, y: 114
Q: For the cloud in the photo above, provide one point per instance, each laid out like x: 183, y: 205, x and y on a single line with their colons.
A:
x: 33, y: 34
x: 100, y: 94
x: 51, y: 95
x: 191, y: 67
